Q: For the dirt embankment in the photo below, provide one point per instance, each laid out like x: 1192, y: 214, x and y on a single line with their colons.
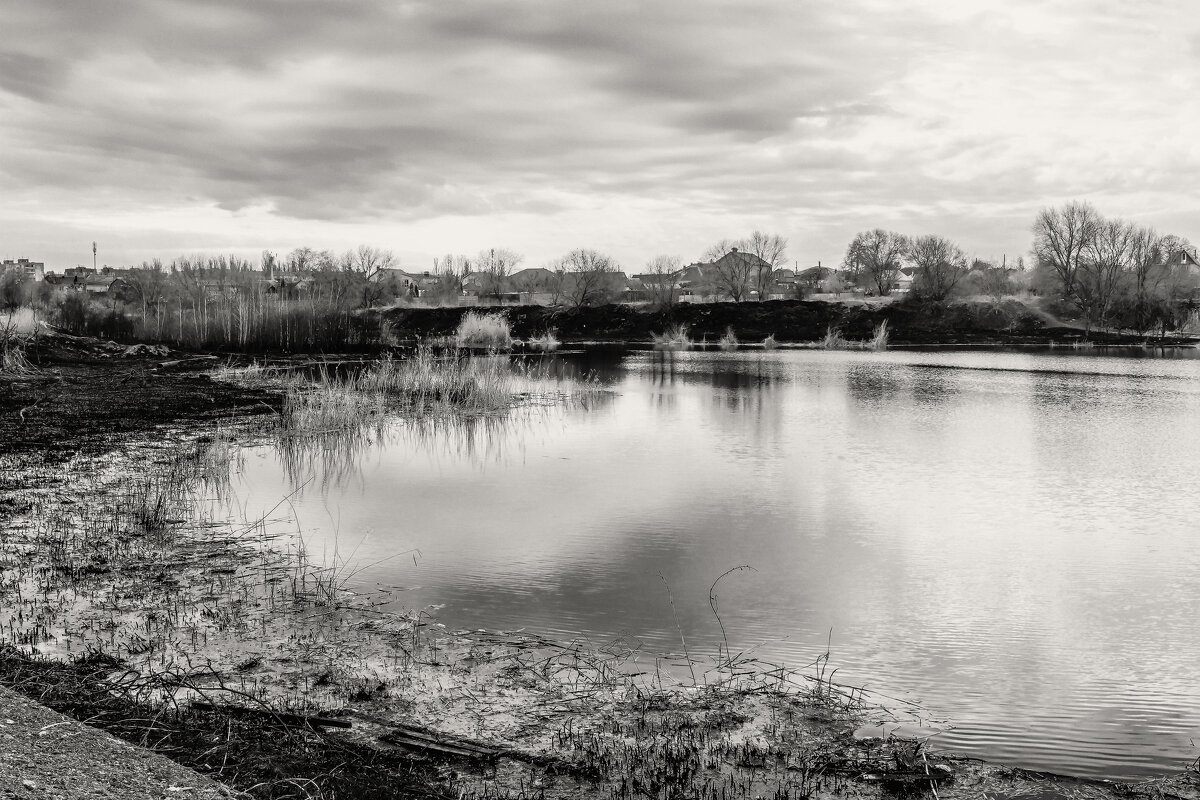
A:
x: 1009, y: 322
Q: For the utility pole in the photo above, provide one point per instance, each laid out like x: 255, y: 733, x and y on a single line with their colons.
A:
x: 93, y: 256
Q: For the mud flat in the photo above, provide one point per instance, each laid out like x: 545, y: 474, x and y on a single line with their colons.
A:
x: 127, y: 601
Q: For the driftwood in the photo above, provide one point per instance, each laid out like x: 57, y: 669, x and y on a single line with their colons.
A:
x: 411, y: 738
x: 287, y: 719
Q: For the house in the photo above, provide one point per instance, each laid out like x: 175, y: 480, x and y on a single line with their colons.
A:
x: 287, y: 286
x: 105, y: 286
x: 35, y: 270
x: 413, y: 284
x: 903, y: 282
x: 533, y: 279
x: 1184, y: 260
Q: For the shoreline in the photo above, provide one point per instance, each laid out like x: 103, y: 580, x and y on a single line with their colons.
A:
x: 491, y: 667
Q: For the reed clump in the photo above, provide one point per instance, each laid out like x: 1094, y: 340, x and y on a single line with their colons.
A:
x: 484, y: 330
x: 770, y: 343
x: 879, y: 341
x: 834, y: 340
x: 729, y: 340
x: 545, y: 342
x: 675, y: 337
x: 426, y: 382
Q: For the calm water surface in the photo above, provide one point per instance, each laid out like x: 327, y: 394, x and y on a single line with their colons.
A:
x: 1008, y: 539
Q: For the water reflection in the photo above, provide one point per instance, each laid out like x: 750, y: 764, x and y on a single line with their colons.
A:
x: 1007, y: 537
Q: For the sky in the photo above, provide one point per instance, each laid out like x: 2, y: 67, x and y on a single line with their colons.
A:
x: 163, y: 127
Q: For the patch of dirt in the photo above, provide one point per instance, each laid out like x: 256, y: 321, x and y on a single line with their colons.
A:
x: 80, y: 400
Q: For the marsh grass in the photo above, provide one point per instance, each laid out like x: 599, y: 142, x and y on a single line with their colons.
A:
x: 429, y: 383
x: 834, y: 340
x: 545, y: 342
x: 490, y: 331
x: 673, y: 338
x: 729, y: 340
x: 879, y: 341
x: 770, y: 343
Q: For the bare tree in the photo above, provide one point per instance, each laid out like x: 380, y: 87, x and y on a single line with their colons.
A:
x: 450, y: 270
x: 662, y: 281
x: 771, y: 250
x: 739, y: 267
x: 589, y: 277
x: 368, y: 260
x: 718, y: 249
x: 877, y: 256
x: 496, y: 266
x: 1061, y: 236
x: 940, y: 265
x: 1103, y: 268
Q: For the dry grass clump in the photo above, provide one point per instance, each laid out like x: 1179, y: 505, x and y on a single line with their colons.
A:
x: 880, y: 340
x: 769, y: 343
x: 16, y: 328
x: 673, y: 338
x: 834, y: 340
x: 484, y: 330
x: 546, y: 342
x: 729, y: 341
x: 12, y: 359
x: 427, y: 382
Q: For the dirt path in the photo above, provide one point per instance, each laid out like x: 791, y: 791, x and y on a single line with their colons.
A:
x: 46, y: 756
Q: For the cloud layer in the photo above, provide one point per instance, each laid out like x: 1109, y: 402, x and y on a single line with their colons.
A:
x: 634, y: 127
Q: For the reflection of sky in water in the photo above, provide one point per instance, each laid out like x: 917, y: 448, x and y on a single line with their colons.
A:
x: 1005, y: 537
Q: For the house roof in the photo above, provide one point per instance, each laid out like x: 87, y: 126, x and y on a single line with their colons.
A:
x: 1184, y: 258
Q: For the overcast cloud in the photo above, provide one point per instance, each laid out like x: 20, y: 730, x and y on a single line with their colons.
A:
x: 163, y: 126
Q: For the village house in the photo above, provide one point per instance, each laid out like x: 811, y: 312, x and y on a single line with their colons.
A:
x: 409, y: 284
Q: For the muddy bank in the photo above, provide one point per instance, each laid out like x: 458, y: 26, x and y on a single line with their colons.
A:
x: 143, y: 607
x: 80, y: 399
x: 794, y: 321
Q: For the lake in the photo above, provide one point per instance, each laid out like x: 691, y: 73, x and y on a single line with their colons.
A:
x: 1005, y: 538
